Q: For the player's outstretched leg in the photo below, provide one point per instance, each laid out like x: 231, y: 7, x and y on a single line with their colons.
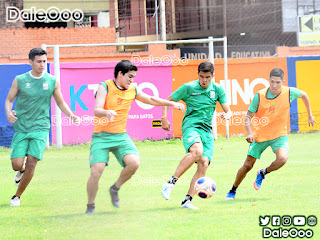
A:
x: 168, y: 187
x: 241, y: 174
x: 281, y: 159
x: 194, y: 154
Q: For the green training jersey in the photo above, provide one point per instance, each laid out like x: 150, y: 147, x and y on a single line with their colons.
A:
x: 201, y: 103
x: 33, y: 102
x: 294, y: 94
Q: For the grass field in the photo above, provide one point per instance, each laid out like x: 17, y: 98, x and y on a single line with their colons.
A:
x: 53, y: 205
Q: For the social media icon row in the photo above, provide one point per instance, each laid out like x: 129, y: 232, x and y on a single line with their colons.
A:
x: 298, y: 220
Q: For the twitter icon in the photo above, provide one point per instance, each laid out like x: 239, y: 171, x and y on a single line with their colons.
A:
x: 264, y: 221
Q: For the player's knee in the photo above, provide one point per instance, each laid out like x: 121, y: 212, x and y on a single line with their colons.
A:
x: 133, y: 162
x: 203, y: 163
x: 247, y: 166
x: 16, y: 166
x: 197, y: 153
x: 282, y: 160
x: 96, y: 172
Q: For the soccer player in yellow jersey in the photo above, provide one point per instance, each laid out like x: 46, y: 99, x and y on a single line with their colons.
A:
x: 272, y: 104
x: 113, y: 101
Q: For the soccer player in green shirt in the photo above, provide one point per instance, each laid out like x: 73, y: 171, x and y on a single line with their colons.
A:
x: 33, y: 91
x: 200, y: 97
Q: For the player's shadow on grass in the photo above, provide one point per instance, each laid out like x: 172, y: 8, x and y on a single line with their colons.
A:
x: 65, y: 216
x: 5, y: 205
x: 152, y: 211
x: 155, y: 209
x: 237, y: 200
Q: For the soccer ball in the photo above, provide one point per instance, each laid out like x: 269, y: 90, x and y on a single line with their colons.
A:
x: 205, y: 187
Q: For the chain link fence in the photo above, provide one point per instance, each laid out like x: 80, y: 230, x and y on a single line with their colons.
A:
x: 259, y: 25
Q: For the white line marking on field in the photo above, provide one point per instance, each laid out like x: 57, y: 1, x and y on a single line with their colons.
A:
x: 221, y: 160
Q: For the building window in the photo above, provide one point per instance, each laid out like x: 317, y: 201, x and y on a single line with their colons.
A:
x: 150, y: 5
x: 257, y: 1
x: 124, y: 9
x: 86, y: 22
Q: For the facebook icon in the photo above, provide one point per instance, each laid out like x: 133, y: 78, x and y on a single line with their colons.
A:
x: 276, y: 221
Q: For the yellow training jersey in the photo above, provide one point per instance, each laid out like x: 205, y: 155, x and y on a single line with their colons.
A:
x: 275, y: 113
x: 119, y: 101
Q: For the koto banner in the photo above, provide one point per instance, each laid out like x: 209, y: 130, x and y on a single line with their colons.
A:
x: 79, y: 82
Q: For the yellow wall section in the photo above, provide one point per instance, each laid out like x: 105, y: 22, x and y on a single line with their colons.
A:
x: 308, y: 80
x: 85, y: 6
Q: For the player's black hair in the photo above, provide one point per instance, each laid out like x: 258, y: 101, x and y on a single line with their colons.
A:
x: 124, y: 66
x: 277, y: 72
x: 206, y: 67
x: 36, y: 52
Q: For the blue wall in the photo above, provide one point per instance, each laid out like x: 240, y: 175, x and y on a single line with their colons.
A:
x: 292, y: 82
x: 8, y: 73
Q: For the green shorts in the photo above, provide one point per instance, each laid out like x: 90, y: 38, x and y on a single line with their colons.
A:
x: 256, y: 148
x: 32, y: 143
x: 198, y: 135
x: 120, y: 144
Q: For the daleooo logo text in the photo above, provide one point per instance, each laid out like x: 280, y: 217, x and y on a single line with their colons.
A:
x: 284, y: 233
x: 52, y: 14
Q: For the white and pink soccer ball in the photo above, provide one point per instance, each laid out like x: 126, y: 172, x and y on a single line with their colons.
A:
x: 205, y: 187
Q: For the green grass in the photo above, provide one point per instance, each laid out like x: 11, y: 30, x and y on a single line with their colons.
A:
x: 53, y: 205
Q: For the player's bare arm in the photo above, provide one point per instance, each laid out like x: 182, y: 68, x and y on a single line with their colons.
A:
x: 13, y: 92
x: 145, y: 98
x: 227, y: 111
x: 306, y: 102
x: 62, y: 104
x: 249, y: 116
x: 99, y: 111
x: 165, y: 124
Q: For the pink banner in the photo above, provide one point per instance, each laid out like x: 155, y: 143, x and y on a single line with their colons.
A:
x: 79, y: 82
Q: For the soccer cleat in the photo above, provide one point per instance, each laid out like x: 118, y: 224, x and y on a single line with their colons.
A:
x: 18, y: 176
x: 114, y: 197
x: 90, y: 209
x: 231, y: 196
x: 166, y: 190
x: 189, y: 205
x: 15, y: 201
x: 258, y: 182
